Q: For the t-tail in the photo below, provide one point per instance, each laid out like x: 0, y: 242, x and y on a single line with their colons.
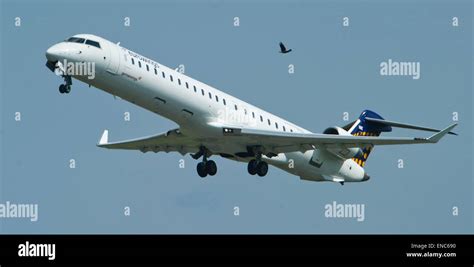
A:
x: 363, y: 127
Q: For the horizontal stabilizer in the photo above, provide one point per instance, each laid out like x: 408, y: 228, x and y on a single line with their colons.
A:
x: 403, y: 125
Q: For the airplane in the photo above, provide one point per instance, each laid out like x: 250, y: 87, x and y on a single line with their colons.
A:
x: 214, y: 123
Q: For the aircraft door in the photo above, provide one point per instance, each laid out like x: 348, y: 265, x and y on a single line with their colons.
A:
x: 115, y: 54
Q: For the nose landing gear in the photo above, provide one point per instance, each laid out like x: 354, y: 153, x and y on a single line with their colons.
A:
x: 66, y: 87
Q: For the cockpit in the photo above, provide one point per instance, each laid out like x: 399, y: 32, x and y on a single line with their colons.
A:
x: 83, y: 41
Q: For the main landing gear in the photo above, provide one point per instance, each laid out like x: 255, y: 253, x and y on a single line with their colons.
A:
x: 66, y: 87
x: 206, y: 167
x: 257, y: 166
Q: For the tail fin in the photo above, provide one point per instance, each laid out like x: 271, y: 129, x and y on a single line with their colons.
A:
x: 362, y: 127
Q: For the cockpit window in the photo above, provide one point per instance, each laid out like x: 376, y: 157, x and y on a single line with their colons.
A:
x: 76, y: 40
x: 94, y: 43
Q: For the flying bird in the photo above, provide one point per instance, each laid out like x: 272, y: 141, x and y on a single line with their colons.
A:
x: 283, y: 49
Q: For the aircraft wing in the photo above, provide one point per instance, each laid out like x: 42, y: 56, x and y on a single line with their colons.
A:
x: 270, y: 142
x: 172, y: 140
x: 278, y: 142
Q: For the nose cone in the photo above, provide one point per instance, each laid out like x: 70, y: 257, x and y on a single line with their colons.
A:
x: 53, y: 53
x: 366, y: 177
x: 58, y: 52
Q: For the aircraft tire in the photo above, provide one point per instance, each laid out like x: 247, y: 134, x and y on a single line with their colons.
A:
x: 201, y: 169
x: 211, y: 168
x: 262, y: 168
x: 62, y: 90
x: 252, y: 167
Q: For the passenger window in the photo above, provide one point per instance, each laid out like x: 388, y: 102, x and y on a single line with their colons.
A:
x: 202, y: 91
x: 253, y: 114
x: 93, y: 43
x: 284, y: 128
x: 276, y: 125
x: 195, y: 90
x: 139, y: 64
x: 187, y: 86
x: 156, y: 72
x: 133, y: 62
x: 210, y: 96
x: 147, y: 68
x: 261, y: 118
x: 245, y: 111
x: 291, y: 130
x: 269, y: 123
x: 171, y: 77
x: 235, y: 106
x: 163, y: 74
x: 223, y: 101
x: 179, y: 81
x: 217, y: 98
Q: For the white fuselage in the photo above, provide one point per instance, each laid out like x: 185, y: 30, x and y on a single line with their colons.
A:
x: 197, y: 108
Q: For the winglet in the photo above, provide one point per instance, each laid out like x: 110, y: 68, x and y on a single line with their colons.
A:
x: 104, y: 139
x: 437, y: 136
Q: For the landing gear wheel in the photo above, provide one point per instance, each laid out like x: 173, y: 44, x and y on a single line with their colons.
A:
x: 262, y: 168
x: 66, y: 86
x: 201, y: 169
x: 211, y: 167
x: 252, y: 167
x: 62, y: 88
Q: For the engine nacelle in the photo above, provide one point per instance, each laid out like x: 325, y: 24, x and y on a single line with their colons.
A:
x: 342, y: 151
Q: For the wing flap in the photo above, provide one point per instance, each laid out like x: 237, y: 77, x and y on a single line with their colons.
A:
x: 172, y: 140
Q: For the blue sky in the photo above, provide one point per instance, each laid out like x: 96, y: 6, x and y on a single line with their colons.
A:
x: 336, y: 71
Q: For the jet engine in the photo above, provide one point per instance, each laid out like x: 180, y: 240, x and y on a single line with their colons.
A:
x: 342, y: 151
